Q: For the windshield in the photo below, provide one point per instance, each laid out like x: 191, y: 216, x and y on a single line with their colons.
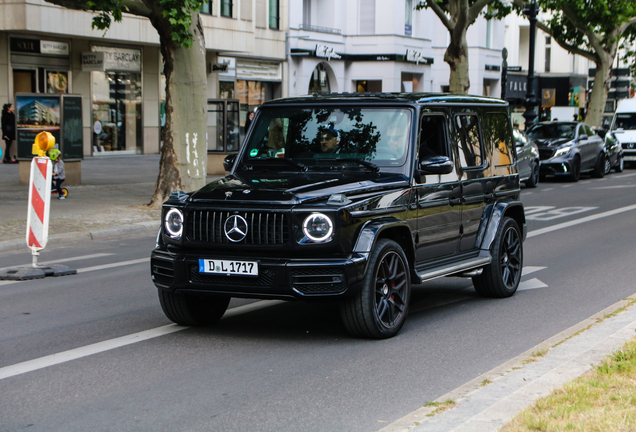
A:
x: 318, y: 138
x: 625, y: 121
x: 552, y: 130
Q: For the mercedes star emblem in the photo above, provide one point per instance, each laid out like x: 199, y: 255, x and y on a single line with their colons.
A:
x: 235, y: 228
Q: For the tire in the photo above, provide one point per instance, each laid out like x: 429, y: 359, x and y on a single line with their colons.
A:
x: 501, y: 277
x: 620, y: 166
x: 533, y: 181
x: 380, y: 308
x: 575, y: 175
x: 64, y: 192
x: 599, y: 167
x: 189, y: 310
x: 608, y: 165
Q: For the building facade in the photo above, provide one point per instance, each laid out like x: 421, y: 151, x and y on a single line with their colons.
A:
x: 46, y: 49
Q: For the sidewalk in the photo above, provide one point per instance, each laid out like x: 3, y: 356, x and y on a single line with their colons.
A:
x: 110, y: 202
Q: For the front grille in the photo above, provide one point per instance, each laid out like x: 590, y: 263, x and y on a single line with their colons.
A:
x: 265, y: 278
x: 319, y: 281
x: 263, y: 227
x: 162, y: 272
x: 545, y: 153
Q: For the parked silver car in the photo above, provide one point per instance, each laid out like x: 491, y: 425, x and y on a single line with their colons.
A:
x: 528, y: 161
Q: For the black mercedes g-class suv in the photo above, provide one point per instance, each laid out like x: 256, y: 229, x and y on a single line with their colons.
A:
x: 351, y: 198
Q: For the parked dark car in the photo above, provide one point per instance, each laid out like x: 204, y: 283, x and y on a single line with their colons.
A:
x: 614, y: 159
x: 568, y: 149
x: 528, y: 161
x: 352, y: 199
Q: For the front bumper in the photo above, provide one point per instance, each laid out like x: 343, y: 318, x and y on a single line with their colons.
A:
x: 629, y: 155
x: 556, y: 167
x: 279, y: 278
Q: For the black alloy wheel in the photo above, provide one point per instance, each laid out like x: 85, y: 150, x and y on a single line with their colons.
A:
x: 575, y: 174
x: 600, y: 166
x: 380, y: 308
x: 501, y: 277
x: 533, y: 181
x: 608, y: 165
x: 620, y: 165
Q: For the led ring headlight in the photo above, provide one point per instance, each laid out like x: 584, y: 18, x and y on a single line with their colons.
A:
x: 174, y: 223
x: 317, y: 227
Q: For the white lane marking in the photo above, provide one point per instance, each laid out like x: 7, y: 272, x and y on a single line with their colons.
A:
x: 111, y: 265
x: 537, y: 209
x: 529, y: 269
x: 548, y: 189
x: 99, y: 347
x: 614, y: 187
x: 533, y: 283
x: 580, y: 221
x: 566, y: 186
x: 559, y: 213
x: 61, y: 260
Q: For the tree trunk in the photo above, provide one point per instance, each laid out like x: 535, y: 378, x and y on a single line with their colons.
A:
x: 600, y: 90
x: 457, y: 58
x: 183, y: 164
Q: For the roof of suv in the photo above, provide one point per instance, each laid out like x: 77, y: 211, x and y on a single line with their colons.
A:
x: 420, y: 98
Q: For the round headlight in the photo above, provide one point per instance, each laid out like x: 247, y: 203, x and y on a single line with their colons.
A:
x: 318, y: 227
x: 174, y: 223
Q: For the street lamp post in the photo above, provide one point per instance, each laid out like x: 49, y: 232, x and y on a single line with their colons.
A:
x: 531, y: 100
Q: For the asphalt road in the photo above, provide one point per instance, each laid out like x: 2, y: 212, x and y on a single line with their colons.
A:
x: 292, y: 366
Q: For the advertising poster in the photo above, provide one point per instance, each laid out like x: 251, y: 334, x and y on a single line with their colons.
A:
x: 35, y: 113
x: 72, y: 134
x: 56, y: 82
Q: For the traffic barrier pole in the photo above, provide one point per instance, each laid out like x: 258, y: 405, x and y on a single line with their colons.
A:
x: 37, y: 231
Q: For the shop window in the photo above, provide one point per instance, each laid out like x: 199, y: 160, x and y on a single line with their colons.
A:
x: 226, y: 89
x: 274, y: 18
x: 319, y: 81
x: 369, y: 86
x: 226, y: 8
x: 117, y: 124
x: 57, y: 82
x: 24, y: 81
x: 548, y: 52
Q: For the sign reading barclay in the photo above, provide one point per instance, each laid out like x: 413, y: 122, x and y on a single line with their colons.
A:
x: 119, y: 59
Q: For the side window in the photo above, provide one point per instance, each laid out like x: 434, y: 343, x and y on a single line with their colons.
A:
x: 588, y: 130
x: 432, y: 137
x: 470, y: 144
x: 496, y: 128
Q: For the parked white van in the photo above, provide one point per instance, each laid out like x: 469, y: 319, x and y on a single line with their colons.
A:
x: 624, y: 128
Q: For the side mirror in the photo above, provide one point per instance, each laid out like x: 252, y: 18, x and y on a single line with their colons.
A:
x: 228, y: 162
x: 582, y: 137
x: 437, y: 165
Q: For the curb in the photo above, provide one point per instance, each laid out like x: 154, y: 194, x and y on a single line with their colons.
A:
x: 74, y: 237
x: 461, y: 419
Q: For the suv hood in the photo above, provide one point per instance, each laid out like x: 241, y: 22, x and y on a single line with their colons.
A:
x: 295, y: 189
x: 551, y: 142
x: 629, y: 136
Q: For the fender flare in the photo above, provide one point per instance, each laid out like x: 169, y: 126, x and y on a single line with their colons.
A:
x: 373, y: 230
x: 492, y: 219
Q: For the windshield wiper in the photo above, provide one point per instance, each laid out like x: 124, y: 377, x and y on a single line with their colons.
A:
x: 373, y: 167
x: 302, y: 167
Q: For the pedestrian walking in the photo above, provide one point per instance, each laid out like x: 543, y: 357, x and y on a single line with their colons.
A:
x: 248, y: 120
x: 8, y: 131
x: 58, y: 172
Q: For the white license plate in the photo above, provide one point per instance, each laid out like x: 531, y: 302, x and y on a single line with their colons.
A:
x: 228, y: 267
x: 629, y: 158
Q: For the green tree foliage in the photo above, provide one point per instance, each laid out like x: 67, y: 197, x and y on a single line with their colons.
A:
x: 457, y: 16
x: 183, y: 154
x: 594, y: 29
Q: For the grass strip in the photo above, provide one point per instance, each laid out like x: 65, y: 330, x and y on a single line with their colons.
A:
x: 602, y: 400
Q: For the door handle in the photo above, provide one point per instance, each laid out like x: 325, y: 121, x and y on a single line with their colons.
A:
x: 454, y: 201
